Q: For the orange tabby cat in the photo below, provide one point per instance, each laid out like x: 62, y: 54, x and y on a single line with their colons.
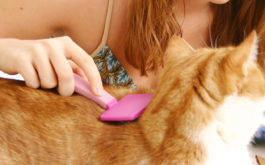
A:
x: 208, y: 104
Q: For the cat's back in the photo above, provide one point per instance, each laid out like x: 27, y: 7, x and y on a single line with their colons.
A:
x: 42, y: 104
x: 41, y: 127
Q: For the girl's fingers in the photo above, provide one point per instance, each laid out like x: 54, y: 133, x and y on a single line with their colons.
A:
x: 28, y: 72
x: 44, y: 68
x: 85, y: 62
x: 62, y: 68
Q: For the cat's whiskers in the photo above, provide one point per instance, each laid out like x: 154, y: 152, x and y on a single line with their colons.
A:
x: 204, y: 42
x: 216, y: 40
x: 214, y: 43
x: 211, y: 38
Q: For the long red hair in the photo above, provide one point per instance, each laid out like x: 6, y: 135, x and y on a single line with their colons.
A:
x: 152, y: 23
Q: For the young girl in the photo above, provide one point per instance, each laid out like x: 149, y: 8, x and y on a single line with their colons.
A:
x: 46, y: 41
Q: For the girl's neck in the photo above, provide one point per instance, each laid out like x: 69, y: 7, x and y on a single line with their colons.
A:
x: 193, y: 6
x: 195, y: 19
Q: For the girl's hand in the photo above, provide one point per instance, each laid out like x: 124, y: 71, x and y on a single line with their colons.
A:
x: 48, y: 63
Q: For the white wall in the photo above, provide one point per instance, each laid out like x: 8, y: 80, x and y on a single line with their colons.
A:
x: 16, y: 77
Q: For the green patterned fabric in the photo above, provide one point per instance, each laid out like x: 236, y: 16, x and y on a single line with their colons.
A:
x: 111, y: 71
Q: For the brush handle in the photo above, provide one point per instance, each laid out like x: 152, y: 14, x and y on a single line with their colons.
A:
x: 82, y: 87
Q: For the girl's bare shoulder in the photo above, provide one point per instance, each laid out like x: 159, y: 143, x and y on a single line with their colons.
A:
x: 32, y: 19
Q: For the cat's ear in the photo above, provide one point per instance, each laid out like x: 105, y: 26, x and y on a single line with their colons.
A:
x: 177, y: 46
x: 243, y: 54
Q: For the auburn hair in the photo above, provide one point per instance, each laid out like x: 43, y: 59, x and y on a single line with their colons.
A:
x: 152, y: 23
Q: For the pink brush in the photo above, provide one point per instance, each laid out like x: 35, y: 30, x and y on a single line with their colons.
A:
x: 127, y: 109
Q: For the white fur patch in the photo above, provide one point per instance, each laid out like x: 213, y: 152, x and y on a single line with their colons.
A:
x: 226, y: 139
x: 239, y: 118
x: 218, y: 152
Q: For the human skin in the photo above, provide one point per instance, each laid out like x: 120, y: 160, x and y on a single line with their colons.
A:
x: 26, y: 46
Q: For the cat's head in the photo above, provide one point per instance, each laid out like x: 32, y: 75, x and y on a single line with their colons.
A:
x: 228, y: 81
x: 200, y: 87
